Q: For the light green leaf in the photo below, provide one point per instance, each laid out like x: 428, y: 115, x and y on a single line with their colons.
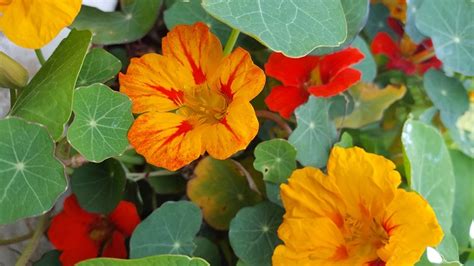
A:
x: 356, y: 13
x: 47, y: 99
x: 367, y: 66
x: 273, y: 193
x: 99, y: 187
x: 170, y: 229
x: 160, y: 260
x: 101, y: 122
x: 134, y: 21
x: 377, y: 21
x: 207, y: 250
x: 315, y: 133
x: 410, y: 27
x: 275, y: 159
x: 99, y: 66
x: 345, y: 141
x: 450, y: 26
x: 283, y: 27
x: 221, y: 189
x: 31, y: 179
x: 253, y: 233
x: 190, y: 12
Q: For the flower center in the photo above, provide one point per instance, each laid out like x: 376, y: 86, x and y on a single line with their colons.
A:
x: 364, y: 235
x: 204, y: 105
x: 315, y: 78
x: 101, y: 230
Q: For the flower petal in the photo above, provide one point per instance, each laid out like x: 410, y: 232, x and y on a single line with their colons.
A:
x: 412, y: 226
x: 194, y: 47
x: 155, y: 83
x: 367, y: 182
x: 32, y: 24
x: 115, y: 248
x: 165, y: 139
x: 238, y: 76
x: 285, y: 99
x: 310, y: 193
x: 125, y: 217
x: 290, y: 71
x: 339, y: 83
x: 233, y: 133
x: 334, y: 63
x: 384, y: 44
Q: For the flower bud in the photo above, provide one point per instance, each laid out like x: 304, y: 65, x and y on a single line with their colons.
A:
x: 12, y: 74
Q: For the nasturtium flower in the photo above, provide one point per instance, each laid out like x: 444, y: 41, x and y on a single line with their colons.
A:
x: 405, y: 55
x: 34, y: 23
x: 354, y: 215
x: 322, y: 76
x: 192, y: 99
x: 81, y: 235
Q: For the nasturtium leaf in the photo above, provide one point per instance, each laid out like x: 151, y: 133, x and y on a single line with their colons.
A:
x: 101, y: 122
x: 463, y: 213
x: 345, y: 141
x: 253, y: 233
x: 293, y: 27
x: 367, y: 66
x: 173, y: 183
x: 134, y: 21
x: 47, y: 99
x: 159, y: 260
x: 273, y: 193
x: 410, y: 27
x: 430, y: 169
x: 207, y: 250
x: 221, y: 189
x: 190, y: 12
x: 340, y: 105
x: 170, y: 229
x: 370, y: 103
x: 50, y: 258
x: 449, y: 24
x: 99, y: 187
x: 356, y: 13
x: 377, y: 21
x: 315, y: 133
x: 450, y: 97
x: 275, y: 159
x: 31, y: 179
x: 99, y: 66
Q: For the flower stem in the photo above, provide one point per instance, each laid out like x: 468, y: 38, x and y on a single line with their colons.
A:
x: 12, y: 97
x: 275, y: 118
x: 17, y: 239
x: 40, y: 56
x: 33, y: 244
x: 140, y: 176
x: 229, y: 46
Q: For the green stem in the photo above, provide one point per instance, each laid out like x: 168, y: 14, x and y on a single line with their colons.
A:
x: 12, y: 97
x: 33, y: 244
x: 229, y: 46
x: 140, y: 176
x: 17, y: 239
x: 40, y: 56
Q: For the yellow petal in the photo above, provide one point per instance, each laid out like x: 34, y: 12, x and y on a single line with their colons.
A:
x: 165, y: 140
x: 412, y: 226
x: 155, y: 83
x: 34, y: 23
x: 196, y: 48
x: 238, y: 76
x: 233, y: 133
x: 366, y: 181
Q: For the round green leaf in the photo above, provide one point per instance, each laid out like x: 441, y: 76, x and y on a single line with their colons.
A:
x: 99, y: 66
x: 377, y: 21
x: 170, y: 229
x: 450, y: 25
x: 367, y: 66
x: 101, y: 122
x: 134, y: 21
x: 207, y: 250
x: 410, y: 27
x: 31, y: 179
x: 99, y: 187
x: 160, y: 260
x: 275, y: 159
x: 273, y: 193
x: 221, y: 189
x: 50, y: 258
x: 315, y: 133
x: 253, y: 233
x: 283, y: 27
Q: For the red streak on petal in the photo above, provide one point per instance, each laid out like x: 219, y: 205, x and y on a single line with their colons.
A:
x: 198, y: 74
x: 226, y: 89
x: 172, y: 94
x: 377, y: 262
x: 227, y: 126
x: 183, y: 128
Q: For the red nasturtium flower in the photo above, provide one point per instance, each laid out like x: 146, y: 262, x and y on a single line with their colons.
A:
x: 81, y: 235
x: 322, y: 76
x: 405, y: 55
x: 192, y: 99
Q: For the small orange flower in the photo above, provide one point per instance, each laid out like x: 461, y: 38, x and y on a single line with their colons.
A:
x: 355, y: 215
x: 34, y: 23
x: 192, y: 99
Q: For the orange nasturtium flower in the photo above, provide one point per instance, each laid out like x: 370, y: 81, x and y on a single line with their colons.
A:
x: 354, y: 215
x: 34, y: 23
x: 192, y: 99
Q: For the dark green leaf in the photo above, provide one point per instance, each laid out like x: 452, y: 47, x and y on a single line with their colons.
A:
x: 275, y: 159
x: 99, y: 66
x: 377, y: 21
x: 273, y: 193
x: 160, y: 260
x: 207, y: 250
x: 50, y: 258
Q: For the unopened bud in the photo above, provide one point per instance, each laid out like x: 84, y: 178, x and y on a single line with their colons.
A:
x: 12, y: 74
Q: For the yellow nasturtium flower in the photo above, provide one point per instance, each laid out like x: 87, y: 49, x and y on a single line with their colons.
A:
x: 34, y: 23
x: 354, y: 215
x: 192, y: 99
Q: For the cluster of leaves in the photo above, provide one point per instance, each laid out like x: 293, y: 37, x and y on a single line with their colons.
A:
x: 229, y: 211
